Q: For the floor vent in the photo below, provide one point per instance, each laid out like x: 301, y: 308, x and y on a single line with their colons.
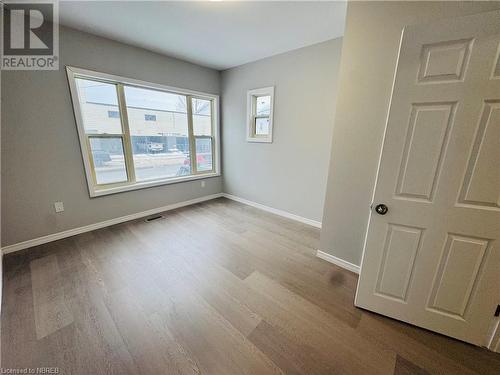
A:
x: 153, y: 218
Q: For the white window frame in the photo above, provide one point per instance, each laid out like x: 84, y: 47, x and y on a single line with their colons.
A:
x: 96, y: 190
x: 252, y: 116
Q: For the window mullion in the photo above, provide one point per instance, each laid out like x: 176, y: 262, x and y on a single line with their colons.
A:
x: 215, y: 157
x: 91, y: 159
x: 127, y: 144
x: 192, y: 142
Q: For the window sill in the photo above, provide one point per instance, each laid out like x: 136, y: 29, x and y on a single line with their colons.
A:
x: 260, y: 139
x: 148, y: 184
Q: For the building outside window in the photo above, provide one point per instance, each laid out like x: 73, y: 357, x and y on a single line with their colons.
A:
x: 122, y: 152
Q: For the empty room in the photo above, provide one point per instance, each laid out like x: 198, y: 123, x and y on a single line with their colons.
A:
x: 250, y: 187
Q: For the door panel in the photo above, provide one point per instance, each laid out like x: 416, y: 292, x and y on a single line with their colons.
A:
x: 400, y: 249
x: 496, y: 68
x: 445, y: 61
x: 452, y: 290
x: 425, y: 144
x: 482, y: 182
x: 433, y: 260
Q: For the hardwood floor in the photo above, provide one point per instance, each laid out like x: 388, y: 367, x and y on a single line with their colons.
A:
x: 215, y: 288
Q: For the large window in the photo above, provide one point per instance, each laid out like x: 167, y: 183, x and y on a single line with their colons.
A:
x: 135, y: 134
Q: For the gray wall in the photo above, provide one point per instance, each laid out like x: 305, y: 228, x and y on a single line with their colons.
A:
x: 371, y: 41
x: 41, y: 159
x: 290, y: 173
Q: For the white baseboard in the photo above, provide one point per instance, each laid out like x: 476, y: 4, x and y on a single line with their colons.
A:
x: 87, y: 228
x: 337, y: 261
x: 275, y: 211
x: 72, y: 232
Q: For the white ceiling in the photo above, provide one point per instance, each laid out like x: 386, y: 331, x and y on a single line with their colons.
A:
x: 217, y: 34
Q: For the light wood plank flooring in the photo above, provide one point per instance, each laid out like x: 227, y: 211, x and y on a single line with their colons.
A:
x: 214, y: 288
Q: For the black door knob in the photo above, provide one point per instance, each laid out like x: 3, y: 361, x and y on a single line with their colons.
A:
x: 381, y: 209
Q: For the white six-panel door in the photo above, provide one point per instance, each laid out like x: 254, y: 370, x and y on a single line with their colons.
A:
x: 433, y: 259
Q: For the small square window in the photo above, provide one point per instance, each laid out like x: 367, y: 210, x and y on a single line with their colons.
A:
x: 150, y: 117
x: 262, y: 126
x: 263, y: 105
x: 260, y: 115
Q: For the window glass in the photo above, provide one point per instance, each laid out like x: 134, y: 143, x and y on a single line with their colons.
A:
x: 109, y: 160
x: 202, y: 116
x: 263, y: 105
x: 203, y: 154
x: 262, y: 126
x: 160, y: 147
x: 97, y: 100
x: 260, y: 115
x: 137, y: 135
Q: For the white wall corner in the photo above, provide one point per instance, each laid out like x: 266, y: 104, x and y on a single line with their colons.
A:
x: 338, y: 262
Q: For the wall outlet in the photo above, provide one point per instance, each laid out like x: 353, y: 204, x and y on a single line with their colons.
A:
x: 59, y: 206
x: 202, y: 183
